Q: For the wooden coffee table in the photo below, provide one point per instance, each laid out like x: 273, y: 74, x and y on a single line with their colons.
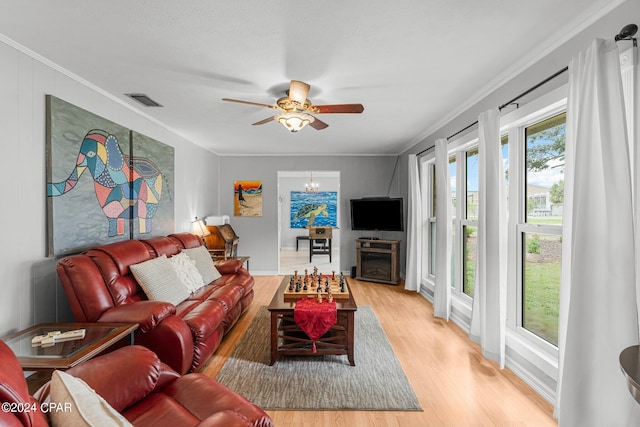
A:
x: 287, y: 339
x: 65, y: 355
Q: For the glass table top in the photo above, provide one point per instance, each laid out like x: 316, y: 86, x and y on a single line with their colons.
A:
x: 22, y: 347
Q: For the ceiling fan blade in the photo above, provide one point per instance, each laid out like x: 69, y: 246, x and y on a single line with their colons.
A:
x: 337, y: 108
x: 261, y: 122
x: 318, y: 124
x: 298, y: 91
x: 274, y: 107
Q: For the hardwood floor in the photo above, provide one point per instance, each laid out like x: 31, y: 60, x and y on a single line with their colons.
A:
x: 455, y: 385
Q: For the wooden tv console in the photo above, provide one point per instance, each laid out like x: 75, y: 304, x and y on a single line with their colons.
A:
x: 377, y: 260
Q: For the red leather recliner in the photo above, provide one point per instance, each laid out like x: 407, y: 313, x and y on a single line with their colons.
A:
x: 101, y: 288
x: 139, y: 386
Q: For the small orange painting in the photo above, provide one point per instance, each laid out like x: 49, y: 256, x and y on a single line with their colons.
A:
x: 247, y: 198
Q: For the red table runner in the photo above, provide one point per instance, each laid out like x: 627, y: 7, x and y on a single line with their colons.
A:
x: 315, y: 318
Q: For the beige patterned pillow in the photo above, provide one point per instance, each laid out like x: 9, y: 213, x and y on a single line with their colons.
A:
x: 159, y: 280
x: 187, y: 272
x: 204, y: 263
x: 87, y: 408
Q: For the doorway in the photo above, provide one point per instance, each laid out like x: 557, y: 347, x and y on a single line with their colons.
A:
x: 296, y: 209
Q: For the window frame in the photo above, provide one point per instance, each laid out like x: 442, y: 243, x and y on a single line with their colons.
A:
x: 458, y: 149
x: 514, y: 124
x: 427, y: 185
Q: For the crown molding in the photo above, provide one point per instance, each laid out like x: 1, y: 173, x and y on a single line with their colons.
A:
x: 582, y: 22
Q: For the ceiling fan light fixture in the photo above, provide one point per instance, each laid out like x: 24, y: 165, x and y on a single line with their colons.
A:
x: 294, y: 121
x: 296, y: 107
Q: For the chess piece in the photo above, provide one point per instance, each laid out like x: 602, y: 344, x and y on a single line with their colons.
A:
x: 330, y: 296
x: 291, y: 284
x: 333, y: 275
x: 319, y: 294
x: 295, y: 274
x: 305, y: 286
x: 343, y: 287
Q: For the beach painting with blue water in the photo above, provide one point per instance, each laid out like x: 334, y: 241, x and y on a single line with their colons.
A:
x: 318, y: 209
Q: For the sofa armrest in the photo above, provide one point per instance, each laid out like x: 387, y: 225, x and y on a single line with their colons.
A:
x: 147, y: 314
x: 208, y: 400
x: 230, y: 266
x: 122, y: 377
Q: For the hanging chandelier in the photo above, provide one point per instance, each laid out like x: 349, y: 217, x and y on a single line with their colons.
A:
x: 311, y: 187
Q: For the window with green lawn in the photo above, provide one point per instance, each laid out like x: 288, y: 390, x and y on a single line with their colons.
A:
x: 533, y: 151
x: 470, y: 223
x: 541, y: 226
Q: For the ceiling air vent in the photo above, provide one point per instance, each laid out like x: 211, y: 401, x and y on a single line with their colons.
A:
x: 143, y: 99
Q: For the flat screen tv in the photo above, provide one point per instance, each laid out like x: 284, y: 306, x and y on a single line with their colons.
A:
x: 377, y: 214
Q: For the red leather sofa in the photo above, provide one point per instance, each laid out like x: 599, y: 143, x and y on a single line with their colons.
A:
x: 139, y: 386
x: 100, y: 287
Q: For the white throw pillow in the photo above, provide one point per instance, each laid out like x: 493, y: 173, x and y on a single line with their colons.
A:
x: 159, y: 280
x: 204, y: 263
x: 85, y: 408
x: 187, y: 272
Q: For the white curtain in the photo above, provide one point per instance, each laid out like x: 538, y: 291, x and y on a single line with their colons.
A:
x: 414, y: 229
x: 488, y: 318
x: 442, y: 292
x: 598, y: 316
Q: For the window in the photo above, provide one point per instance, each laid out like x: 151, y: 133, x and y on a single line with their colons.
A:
x: 533, y: 150
x: 541, y: 228
x: 454, y: 215
x: 463, y: 173
x: 470, y: 225
x: 428, y: 188
x: 432, y: 221
x: 504, y: 141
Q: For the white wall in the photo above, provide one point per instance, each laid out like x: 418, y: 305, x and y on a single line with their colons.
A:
x: 30, y: 292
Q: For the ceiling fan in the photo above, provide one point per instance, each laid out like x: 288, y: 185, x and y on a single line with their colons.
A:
x: 297, y: 109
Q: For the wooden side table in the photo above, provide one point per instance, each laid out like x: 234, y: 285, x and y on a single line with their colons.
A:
x: 244, y: 259
x: 65, y: 355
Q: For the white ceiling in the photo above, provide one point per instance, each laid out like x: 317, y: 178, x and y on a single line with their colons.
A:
x: 413, y: 64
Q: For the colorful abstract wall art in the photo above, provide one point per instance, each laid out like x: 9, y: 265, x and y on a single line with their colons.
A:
x: 247, y: 198
x: 105, y: 183
x: 317, y: 209
x: 152, y: 187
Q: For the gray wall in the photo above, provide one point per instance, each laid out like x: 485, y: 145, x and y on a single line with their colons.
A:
x: 534, y: 73
x: 360, y: 176
x: 30, y: 292
x: 548, y: 64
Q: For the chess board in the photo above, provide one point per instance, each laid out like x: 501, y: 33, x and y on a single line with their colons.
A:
x: 312, y: 289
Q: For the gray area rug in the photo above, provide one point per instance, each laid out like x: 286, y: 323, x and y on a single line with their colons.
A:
x: 377, y: 382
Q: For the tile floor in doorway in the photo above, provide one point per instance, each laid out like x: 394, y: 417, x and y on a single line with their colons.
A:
x: 290, y: 260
